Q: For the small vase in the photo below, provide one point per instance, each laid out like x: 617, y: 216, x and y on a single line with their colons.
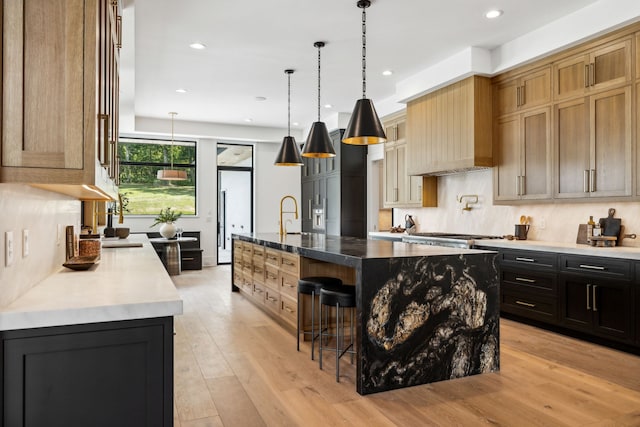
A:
x: 168, y: 230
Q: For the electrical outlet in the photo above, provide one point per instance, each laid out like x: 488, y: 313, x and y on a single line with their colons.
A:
x: 8, y: 248
x: 25, y: 243
x: 542, y: 223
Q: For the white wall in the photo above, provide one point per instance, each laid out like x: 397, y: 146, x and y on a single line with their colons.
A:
x: 42, y: 213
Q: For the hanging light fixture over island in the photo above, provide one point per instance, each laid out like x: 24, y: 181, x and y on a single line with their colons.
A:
x: 289, y: 154
x: 364, y: 127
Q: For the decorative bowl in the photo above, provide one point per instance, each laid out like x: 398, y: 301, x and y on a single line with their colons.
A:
x: 122, y: 232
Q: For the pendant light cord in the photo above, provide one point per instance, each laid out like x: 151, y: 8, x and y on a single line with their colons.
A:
x: 289, y: 101
x: 364, y: 53
x: 319, y: 46
x: 171, y: 149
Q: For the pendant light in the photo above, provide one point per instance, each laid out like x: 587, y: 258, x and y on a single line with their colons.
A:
x: 172, y: 174
x: 318, y: 143
x: 364, y: 127
x: 289, y: 154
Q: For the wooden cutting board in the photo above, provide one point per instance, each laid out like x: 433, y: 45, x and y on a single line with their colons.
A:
x: 610, y: 225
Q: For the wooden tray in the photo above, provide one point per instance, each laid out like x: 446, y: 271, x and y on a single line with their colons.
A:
x: 81, y: 262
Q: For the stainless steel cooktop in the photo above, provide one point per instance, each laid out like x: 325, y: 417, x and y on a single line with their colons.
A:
x: 454, y: 240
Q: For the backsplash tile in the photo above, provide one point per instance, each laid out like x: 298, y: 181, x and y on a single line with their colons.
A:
x: 561, y: 219
x: 40, y: 212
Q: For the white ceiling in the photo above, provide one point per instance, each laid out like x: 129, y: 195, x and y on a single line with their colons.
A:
x: 250, y: 43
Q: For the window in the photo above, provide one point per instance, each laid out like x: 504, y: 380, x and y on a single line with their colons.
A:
x: 140, y: 161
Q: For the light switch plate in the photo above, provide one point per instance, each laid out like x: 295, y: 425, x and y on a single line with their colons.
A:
x: 8, y: 248
x: 25, y: 243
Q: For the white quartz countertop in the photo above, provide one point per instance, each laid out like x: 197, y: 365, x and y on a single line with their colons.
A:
x: 128, y: 283
x: 625, y: 252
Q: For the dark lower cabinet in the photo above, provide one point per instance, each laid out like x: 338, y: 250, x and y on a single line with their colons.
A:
x: 598, y: 306
x: 637, y: 304
x: 102, y: 374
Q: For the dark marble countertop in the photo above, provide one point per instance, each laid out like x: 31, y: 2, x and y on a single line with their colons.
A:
x: 347, y: 250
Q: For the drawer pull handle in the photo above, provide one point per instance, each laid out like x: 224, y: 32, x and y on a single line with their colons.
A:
x: 595, y: 306
x: 524, y: 279
x: 526, y: 304
x: 288, y: 309
x: 188, y: 259
x: 289, y: 285
x: 588, y: 297
x: 525, y: 259
x: 271, y: 299
x: 593, y: 267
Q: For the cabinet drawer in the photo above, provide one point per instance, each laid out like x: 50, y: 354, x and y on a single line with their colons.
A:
x: 531, y: 306
x: 247, y: 283
x: 289, y: 284
x: 598, y: 267
x: 247, y: 265
x: 258, y: 273
x: 272, y: 300
x: 258, y: 254
x: 271, y: 276
x: 532, y: 259
x: 544, y: 283
x: 258, y: 293
x: 247, y: 248
x: 289, y: 262
x: 289, y: 310
x: 238, y: 279
x: 272, y: 257
x: 237, y: 247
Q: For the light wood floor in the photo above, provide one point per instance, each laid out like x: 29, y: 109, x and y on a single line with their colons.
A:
x: 236, y: 367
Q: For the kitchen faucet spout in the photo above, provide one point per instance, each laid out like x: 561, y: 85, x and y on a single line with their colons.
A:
x: 295, y: 212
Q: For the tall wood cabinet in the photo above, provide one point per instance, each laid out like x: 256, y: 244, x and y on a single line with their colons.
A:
x: 594, y: 145
x: 60, y: 95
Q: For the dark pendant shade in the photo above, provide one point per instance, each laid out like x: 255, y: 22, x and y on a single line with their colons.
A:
x: 318, y: 143
x: 289, y: 154
x: 364, y: 127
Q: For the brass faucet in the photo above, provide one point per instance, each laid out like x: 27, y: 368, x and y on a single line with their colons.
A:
x: 474, y: 200
x: 283, y: 230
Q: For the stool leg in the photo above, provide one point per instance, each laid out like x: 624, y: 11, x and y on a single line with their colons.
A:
x: 338, y: 335
x: 298, y: 324
x: 351, y: 332
x: 321, y: 329
x: 313, y: 322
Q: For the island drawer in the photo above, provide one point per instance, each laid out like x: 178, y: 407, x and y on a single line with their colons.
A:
x: 258, y: 292
x: 272, y: 257
x: 258, y: 254
x: 597, y: 267
x: 290, y: 262
x: 271, y: 276
x: 272, y: 299
x: 531, y: 259
x: 289, y: 310
x: 247, y: 249
x: 289, y: 284
x: 247, y: 282
x: 258, y: 273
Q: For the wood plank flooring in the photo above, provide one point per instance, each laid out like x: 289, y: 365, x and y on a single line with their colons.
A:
x: 234, y: 366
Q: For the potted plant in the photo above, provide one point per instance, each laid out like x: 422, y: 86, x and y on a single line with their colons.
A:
x: 167, y: 217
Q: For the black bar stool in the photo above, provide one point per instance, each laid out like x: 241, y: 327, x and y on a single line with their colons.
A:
x: 340, y: 297
x: 312, y: 286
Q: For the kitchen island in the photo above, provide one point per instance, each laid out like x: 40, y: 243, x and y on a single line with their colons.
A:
x: 92, y: 347
x: 424, y: 313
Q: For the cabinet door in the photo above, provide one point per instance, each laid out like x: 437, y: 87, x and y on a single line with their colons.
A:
x: 572, y: 149
x: 401, y: 173
x: 536, y: 155
x: 332, y: 205
x: 638, y: 55
x: 611, y: 143
x: 506, y: 157
x: 307, y: 205
x: 528, y: 91
x: 43, y: 123
x: 637, y: 146
x: 414, y: 195
x: 571, y: 77
x: 390, y: 172
x: 575, y: 301
x: 611, y: 306
x: 611, y: 65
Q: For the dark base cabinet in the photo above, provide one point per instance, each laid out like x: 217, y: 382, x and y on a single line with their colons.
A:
x: 103, y: 374
x: 597, y: 297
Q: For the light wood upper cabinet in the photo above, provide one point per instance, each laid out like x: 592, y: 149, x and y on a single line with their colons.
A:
x: 594, y: 146
x: 450, y: 129
x: 530, y: 90
x: 638, y: 55
x: 522, y: 156
x: 597, y: 69
x: 52, y: 89
x: 400, y: 189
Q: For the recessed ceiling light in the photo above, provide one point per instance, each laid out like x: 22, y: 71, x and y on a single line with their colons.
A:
x: 328, y: 106
x: 295, y: 123
x: 181, y: 90
x: 260, y: 98
x: 248, y: 120
x: 197, y: 46
x: 387, y: 72
x: 493, y: 14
